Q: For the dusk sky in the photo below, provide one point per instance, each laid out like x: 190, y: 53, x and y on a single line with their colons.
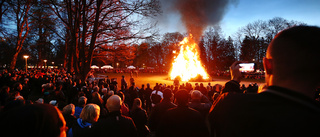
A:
x: 243, y: 12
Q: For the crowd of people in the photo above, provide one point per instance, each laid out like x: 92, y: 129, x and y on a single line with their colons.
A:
x: 44, y: 102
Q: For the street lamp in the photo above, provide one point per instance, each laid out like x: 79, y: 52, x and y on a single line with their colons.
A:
x: 45, y: 63
x: 26, y: 57
x: 117, y: 65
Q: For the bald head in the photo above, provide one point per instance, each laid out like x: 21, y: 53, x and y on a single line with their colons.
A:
x: 114, y: 103
x: 295, y: 55
x: 196, y: 94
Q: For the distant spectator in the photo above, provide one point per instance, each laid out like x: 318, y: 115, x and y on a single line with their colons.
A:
x: 68, y: 114
x: 156, y: 97
x: 123, y: 83
x: 141, y: 95
x: 147, y: 96
x: 124, y: 106
x: 200, y: 103
x: 133, y: 93
x: 82, y: 101
x: 140, y: 118
x: 160, y: 108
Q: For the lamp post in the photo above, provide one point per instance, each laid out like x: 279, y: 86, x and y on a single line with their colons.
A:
x: 26, y: 57
x: 45, y: 63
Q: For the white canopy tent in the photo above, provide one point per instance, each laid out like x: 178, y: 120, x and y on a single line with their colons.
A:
x: 106, y: 67
x: 131, y: 67
x: 94, y: 67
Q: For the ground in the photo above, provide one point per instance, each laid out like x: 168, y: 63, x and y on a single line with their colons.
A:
x: 153, y: 78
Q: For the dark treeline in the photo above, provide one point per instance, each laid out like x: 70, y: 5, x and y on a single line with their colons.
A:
x: 75, y: 35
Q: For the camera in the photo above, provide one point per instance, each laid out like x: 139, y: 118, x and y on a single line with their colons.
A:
x: 246, y: 67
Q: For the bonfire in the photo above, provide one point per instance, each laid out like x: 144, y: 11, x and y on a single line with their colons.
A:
x: 187, y: 65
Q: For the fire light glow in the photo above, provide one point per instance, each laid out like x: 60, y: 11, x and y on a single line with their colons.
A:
x: 187, y: 64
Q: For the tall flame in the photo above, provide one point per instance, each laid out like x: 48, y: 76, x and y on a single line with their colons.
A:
x: 187, y: 64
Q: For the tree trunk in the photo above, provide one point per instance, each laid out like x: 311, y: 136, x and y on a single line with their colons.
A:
x: 13, y: 61
x: 65, y: 53
x: 22, y: 26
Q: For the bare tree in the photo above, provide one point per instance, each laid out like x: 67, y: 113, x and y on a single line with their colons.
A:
x: 20, y: 10
x: 3, y: 8
x: 98, y: 24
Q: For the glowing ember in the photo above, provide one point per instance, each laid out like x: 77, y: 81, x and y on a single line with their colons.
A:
x: 187, y: 64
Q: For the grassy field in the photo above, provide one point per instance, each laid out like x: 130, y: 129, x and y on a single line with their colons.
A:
x: 153, y: 78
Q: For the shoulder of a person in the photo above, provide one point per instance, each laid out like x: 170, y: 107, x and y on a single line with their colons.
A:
x: 237, y: 98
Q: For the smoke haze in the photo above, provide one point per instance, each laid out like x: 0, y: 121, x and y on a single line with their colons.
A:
x: 196, y: 15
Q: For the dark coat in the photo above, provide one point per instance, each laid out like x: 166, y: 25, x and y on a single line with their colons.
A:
x: 115, y: 125
x: 140, y: 118
x: 70, y: 120
x: 276, y: 112
x: 157, y: 113
x: 81, y: 129
x: 182, y: 121
x: 203, y: 106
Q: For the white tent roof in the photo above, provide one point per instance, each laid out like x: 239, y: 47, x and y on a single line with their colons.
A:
x: 131, y: 67
x: 94, y: 67
x: 106, y: 67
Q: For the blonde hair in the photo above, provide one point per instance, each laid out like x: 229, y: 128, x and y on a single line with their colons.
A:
x: 68, y: 109
x: 90, y: 113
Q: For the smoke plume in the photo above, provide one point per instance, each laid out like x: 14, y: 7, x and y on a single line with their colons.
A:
x: 196, y: 15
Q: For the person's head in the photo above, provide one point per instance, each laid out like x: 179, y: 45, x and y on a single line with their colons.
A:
x: 95, y: 89
x: 182, y: 97
x: 114, y: 103
x: 104, y: 90
x: 293, y: 57
x: 136, y: 103
x: 167, y: 93
x: 5, y: 89
x: 96, y: 98
x: 36, y: 120
x: 90, y: 113
x: 17, y: 86
x: 82, y: 101
x: 68, y: 109
x: 196, y: 95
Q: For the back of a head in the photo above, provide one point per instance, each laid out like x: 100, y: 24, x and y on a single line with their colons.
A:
x: 136, y: 103
x: 90, y: 113
x: 36, y: 120
x: 167, y: 93
x: 104, y: 90
x: 196, y: 94
x: 68, y: 109
x: 295, y: 53
x: 82, y: 101
x: 182, y: 97
x: 114, y: 103
x: 110, y: 93
x: 96, y: 89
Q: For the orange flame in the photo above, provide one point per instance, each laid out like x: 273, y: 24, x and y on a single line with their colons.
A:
x: 187, y: 64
